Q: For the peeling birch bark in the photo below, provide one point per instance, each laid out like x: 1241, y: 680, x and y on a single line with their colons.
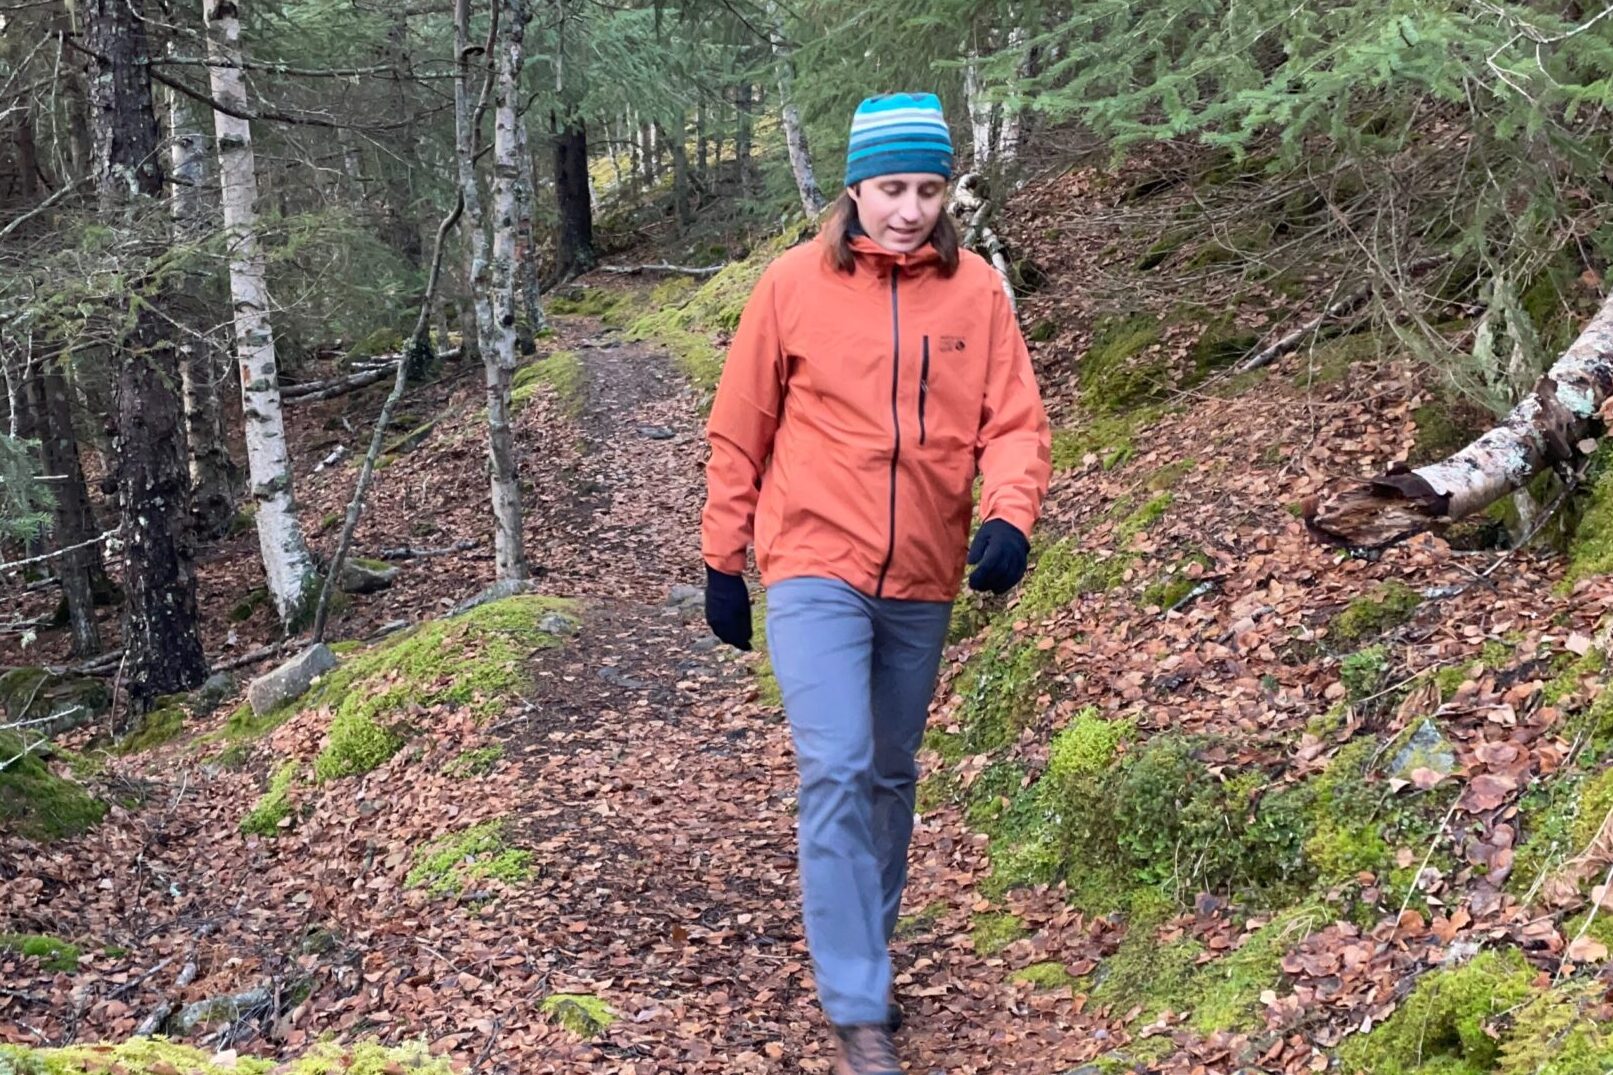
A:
x: 498, y: 351
x: 287, y: 565
x: 1550, y: 426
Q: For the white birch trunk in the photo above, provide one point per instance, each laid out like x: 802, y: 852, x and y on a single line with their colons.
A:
x: 1552, y: 425
x: 1012, y: 116
x: 286, y: 562
x: 498, y: 345
x: 979, y: 112
x: 806, y: 181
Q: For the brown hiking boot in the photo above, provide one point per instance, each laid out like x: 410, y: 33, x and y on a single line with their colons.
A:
x: 865, y: 1050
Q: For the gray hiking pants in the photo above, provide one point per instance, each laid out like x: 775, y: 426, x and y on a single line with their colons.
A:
x: 857, y: 674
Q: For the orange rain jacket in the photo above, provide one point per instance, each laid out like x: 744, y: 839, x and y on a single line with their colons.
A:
x: 853, y: 414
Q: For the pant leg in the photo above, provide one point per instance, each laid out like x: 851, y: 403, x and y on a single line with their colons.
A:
x: 820, y: 640
x: 908, y: 639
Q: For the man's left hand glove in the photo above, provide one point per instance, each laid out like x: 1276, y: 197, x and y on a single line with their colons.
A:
x: 1001, y: 551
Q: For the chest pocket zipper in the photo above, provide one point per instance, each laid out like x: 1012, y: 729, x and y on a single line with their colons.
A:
x: 924, y: 386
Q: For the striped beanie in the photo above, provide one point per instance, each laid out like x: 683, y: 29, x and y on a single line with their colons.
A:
x: 899, y: 132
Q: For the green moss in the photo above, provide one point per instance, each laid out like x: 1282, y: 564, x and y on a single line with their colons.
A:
x: 1447, y: 1020
x: 1166, y: 477
x: 998, y: 687
x: 1442, y: 430
x: 561, y: 372
x: 478, y: 762
x: 1045, y: 977
x: 1063, y: 572
x: 54, y: 954
x: 1043, y: 331
x: 383, y: 341
x: 156, y: 727
x: 1219, y: 346
x: 1083, y: 749
x: 1590, y: 551
x: 447, y: 865
x: 1225, y: 992
x: 1143, y: 518
x: 248, y: 606
x: 149, y: 1056
x: 589, y: 302
x: 477, y: 660
x: 1595, y: 804
x: 274, y: 805
x: 994, y: 931
x: 1559, y: 1032
x: 1387, y: 607
x: 1363, y: 673
x: 584, y: 1016
x: 992, y: 792
x: 1330, y: 361
x: 1107, y: 437
x: 689, y: 330
x: 1113, y: 378
x: 1143, y: 972
x: 35, y: 802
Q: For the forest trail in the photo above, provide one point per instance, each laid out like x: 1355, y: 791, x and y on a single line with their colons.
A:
x: 640, y: 787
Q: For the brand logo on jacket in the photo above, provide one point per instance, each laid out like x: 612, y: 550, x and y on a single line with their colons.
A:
x: 951, y: 343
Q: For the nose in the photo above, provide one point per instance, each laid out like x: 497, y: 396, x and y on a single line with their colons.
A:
x: 909, y: 208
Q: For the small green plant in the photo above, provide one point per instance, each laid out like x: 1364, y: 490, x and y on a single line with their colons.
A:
x: 449, y: 863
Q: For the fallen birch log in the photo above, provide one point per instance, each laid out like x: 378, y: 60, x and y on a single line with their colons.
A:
x: 1553, y: 425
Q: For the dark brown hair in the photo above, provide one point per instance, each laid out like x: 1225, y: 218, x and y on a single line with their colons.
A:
x: 837, y: 232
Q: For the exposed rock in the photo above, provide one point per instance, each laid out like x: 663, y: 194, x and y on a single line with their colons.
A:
x: 555, y: 623
x: 656, y: 432
x: 1426, y: 749
x: 681, y: 596
x: 496, y: 592
x: 215, y: 1010
x: 291, y: 680
x: 366, y: 576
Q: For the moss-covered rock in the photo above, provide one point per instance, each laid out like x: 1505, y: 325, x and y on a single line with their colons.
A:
x: 248, y: 606
x: 1448, y: 1024
x: 159, y: 1056
x: 583, y: 1015
x: 1562, y: 1031
x: 383, y: 341
x: 587, y: 302
x: 274, y: 806
x: 449, y: 864
x: 37, y: 803
x: 36, y: 694
x: 561, y: 372
x: 53, y: 953
x: 475, y: 660
x: 1387, y: 607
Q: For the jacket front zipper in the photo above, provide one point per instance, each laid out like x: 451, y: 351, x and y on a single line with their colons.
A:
x: 896, y: 428
x: 924, y: 386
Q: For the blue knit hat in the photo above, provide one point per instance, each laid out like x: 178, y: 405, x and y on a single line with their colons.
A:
x: 899, y: 132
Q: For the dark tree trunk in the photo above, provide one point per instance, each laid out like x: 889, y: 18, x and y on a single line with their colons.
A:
x: 162, y: 649
x: 575, y: 253
x: 742, y: 141
x: 680, y: 174
x: 73, y: 523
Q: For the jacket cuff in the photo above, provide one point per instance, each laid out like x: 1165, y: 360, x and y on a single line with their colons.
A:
x: 727, y: 565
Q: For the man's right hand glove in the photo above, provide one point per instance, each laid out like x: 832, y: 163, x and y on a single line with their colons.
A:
x: 728, y: 608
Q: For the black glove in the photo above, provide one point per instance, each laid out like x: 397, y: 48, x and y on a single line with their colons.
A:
x: 728, y: 608
x: 1001, y: 551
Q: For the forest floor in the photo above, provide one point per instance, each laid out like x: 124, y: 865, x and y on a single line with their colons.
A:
x: 1328, y: 792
